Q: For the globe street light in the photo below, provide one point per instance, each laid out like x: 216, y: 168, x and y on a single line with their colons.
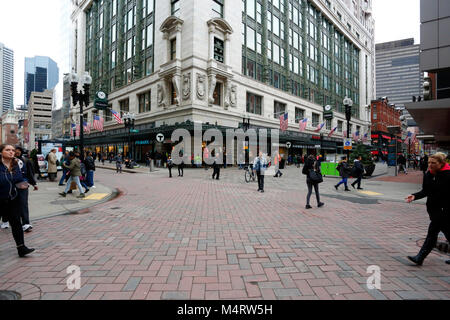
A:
x: 348, y: 103
x: 83, y: 99
x: 129, y: 119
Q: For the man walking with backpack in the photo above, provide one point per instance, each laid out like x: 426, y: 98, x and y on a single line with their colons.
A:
x: 358, y: 171
x: 344, y: 172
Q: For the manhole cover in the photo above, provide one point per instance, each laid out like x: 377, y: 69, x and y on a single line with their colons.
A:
x: 9, y: 295
x: 62, y: 202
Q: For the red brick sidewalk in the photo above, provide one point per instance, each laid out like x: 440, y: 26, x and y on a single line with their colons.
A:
x: 187, y: 238
x: 415, y: 177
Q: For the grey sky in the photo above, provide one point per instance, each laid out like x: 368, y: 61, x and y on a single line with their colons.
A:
x: 31, y: 27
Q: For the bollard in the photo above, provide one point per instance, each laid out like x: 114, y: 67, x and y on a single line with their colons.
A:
x: 152, y: 166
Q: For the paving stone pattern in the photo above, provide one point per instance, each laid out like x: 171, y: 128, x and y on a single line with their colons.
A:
x: 195, y: 238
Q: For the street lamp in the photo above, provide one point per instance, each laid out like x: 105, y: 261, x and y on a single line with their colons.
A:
x: 129, y: 119
x: 83, y: 99
x: 245, y: 122
x: 348, y: 103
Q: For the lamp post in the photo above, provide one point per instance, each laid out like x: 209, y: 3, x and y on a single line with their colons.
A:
x: 348, y: 103
x: 83, y: 99
x: 129, y: 119
x: 245, y: 122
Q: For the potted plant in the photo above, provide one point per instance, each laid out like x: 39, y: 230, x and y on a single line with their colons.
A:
x: 369, y: 165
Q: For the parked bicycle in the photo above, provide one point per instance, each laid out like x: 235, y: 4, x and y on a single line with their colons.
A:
x: 249, y: 174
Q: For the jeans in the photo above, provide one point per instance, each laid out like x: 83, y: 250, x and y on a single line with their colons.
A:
x: 77, y: 181
x: 260, y: 180
x: 118, y: 167
x: 11, y: 209
x: 316, y: 190
x: 23, y: 206
x: 180, y: 170
x: 343, y: 181
x: 63, y: 176
x: 90, y: 178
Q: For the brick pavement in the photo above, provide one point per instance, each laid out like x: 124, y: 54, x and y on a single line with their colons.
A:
x: 195, y: 238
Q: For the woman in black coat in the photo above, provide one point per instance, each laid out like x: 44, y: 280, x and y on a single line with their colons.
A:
x: 11, y: 179
x: 311, y: 164
x: 436, y: 187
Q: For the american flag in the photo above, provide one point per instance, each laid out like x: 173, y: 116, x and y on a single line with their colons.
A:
x: 98, y: 123
x: 73, y: 126
x: 332, y: 131
x: 78, y: 130
x: 284, y: 122
x: 87, y: 127
x: 408, y: 136
x: 366, y: 137
x: 356, y: 136
x: 414, y: 137
x: 117, y: 117
x: 319, y: 127
x: 303, y: 124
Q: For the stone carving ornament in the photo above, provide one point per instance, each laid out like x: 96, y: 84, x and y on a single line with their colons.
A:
x: 233, y: 96
x: 161, y: 96
x: 186, y: 86
x: 201, y: 86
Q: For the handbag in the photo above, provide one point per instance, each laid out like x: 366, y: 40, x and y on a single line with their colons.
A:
x: 314, y: 176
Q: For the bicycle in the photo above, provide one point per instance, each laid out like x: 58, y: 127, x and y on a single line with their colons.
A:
x: 249, y: 174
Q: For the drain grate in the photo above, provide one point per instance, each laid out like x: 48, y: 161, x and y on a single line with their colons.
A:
x: 9, y: 295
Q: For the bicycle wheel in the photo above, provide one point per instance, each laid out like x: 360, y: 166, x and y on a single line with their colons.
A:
x: 247, y: 176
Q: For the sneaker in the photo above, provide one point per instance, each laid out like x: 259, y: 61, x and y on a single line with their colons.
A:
x: 81, y: 196
x: 93, y: 187
x: 321, y: 204
x: 447, y: 262
x: 336, y: 187
x: 86, y: 191
x: 308, y: 207
x: 27, y: 228
x: 63, y: 194
x: 262, y: 191
x: 61, y: 184
x: 347, y: 189
x: 70, y: 191
x: 360, y: 189
x: 5, y: 225
x: 353, y: 186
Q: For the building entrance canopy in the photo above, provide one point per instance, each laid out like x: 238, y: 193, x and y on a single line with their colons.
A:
x: 433, y: 117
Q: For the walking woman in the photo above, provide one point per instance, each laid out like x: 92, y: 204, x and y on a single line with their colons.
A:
x: 11, y: 179
x: 436, y: 187
x: 312, y: 164
x: 345, y: 174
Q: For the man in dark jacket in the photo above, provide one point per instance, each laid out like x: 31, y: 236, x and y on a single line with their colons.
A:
x: 90, y: 169
x: 402, y: 163
x: 26, y: 167
x: 358, y: 171
x: 345, y: 174
x: 436, y: 187
x: 216, y: 167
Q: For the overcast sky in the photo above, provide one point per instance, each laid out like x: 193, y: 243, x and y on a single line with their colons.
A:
x: 31, y: 27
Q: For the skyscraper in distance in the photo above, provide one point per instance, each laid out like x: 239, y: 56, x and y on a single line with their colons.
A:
x: 41, y: 73
x: 6, y: 78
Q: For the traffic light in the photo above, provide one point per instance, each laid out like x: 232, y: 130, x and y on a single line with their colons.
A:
x: 427, y: 89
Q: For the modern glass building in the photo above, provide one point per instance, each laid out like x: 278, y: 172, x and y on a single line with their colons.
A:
x: 174, y: 62
x: 6, y: 78
x: 41, y: 73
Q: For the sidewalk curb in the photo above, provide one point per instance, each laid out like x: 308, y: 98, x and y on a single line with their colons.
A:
x: 114, y: 194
